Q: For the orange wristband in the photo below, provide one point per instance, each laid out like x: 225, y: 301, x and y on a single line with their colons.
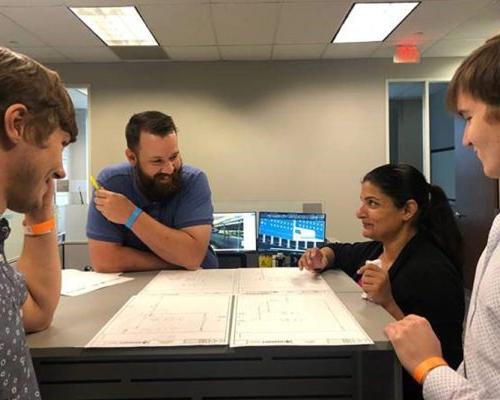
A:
x: 425, y: 366
x: 40, y: 229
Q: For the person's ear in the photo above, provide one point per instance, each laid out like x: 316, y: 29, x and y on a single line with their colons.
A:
x: 15, y: 122
x: 410, y: 210
x: 131, y: 157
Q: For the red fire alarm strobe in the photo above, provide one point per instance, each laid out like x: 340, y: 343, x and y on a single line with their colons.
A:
x: 406, y: 55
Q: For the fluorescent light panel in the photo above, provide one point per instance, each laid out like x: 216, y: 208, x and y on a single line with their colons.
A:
x: 372, y: 22
x: 116, y: 26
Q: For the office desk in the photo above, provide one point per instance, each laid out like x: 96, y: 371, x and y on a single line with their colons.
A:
x: 66, y: 370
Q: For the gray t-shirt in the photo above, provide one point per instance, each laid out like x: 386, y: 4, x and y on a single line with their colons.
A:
x: 17, y: 376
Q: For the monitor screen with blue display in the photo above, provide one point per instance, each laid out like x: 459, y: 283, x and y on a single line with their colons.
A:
x: 234, y: 232
x: 290, y: 232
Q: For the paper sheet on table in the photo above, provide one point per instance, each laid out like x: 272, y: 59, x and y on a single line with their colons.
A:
x: 266, y: 280
x: 76, y: 282
x: 295, y: 319
x: 168, y: 320
x: 199, y: 281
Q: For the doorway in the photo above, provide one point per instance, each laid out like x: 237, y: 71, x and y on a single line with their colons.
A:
x: 422, y: 133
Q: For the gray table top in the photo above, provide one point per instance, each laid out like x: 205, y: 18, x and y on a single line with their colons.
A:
x: 79, y: 318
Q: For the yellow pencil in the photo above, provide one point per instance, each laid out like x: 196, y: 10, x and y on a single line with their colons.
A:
x: 94, y: 183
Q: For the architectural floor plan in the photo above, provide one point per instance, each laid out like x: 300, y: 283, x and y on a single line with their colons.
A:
x: 199, y: 281
x: 268, y: 280
x: 239, y: 307
x: 299, y: 319
x: 168, y: 320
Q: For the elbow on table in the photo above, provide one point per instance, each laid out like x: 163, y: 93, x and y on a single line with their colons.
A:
x: 192, y: 267
x: 103, y: 266
x: 105, y: 257
x: 102, y: 262
x: 193, y: 263
x: 39, y: 324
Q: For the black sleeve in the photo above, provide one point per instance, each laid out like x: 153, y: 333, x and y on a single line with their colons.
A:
x: 437, y: 294
x: 349, y: 257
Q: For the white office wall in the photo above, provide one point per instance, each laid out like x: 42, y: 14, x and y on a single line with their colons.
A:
x: 263, y: 131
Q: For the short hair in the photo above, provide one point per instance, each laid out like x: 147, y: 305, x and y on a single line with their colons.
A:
x: 154, y: 122
x: 479, y: 77
x: 25, y: 81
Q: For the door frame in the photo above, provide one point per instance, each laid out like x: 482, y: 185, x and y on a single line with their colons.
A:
x: 426, y: 136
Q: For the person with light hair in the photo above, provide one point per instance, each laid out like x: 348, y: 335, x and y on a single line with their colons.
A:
x: 474, y: 94
x: 38, y: 122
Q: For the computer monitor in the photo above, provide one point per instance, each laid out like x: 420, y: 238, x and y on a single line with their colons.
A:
x: 290, y: 232
x: 234, y: 232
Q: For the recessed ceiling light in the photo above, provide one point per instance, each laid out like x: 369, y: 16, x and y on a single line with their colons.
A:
x: 116, y: 26
x: 372, y: 22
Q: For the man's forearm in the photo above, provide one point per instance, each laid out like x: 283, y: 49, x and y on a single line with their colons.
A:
x: 41, y: 266
x: 117, y: 258
x: 172, y: 245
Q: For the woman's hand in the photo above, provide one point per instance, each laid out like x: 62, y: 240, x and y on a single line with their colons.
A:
x: 377, y: 285
x: 313, y: 260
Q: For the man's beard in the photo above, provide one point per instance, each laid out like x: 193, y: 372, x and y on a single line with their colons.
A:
x: 153, y: 187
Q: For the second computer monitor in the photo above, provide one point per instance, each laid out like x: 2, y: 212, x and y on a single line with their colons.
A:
x: 234, y: 232
x: 290, y: 232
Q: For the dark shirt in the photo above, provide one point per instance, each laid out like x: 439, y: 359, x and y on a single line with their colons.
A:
x: 424, y: 282
x: 190, y: 207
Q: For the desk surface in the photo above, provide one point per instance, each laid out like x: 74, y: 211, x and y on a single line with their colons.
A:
x: 79, y: 318
x: 67, y: 370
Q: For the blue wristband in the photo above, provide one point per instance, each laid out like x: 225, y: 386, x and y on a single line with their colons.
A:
x: 133, y: 217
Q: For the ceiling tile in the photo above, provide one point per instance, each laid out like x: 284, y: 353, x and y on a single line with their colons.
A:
x: 13, y: 35
x: 252, y: 24
x: 481, y: 26
x: 298, y: 52
x: 310, y: 22
x: 193, y: 53
x: 43, y: 54
x: 191, y: 30
x: 385, y: 50
x: 350, y: 50
x: 56, y: 26
x: 244, y: 1
x: 180, y: 24
x: 432, y: 20
x: 252, y: 53
x: 453, y: 48
x: 89, y: 54
x: 92, y: 3
x: 111, y: 3
x: 29, y: 3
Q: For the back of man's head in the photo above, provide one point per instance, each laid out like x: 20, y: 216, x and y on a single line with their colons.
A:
x: 479, y: 77
x: 154, y: 122
x: 41, y: 91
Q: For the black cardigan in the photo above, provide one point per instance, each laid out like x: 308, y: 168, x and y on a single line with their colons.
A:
x: 424, y: 282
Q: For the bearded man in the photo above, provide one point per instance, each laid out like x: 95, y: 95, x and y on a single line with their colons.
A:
x: 152, y: 212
